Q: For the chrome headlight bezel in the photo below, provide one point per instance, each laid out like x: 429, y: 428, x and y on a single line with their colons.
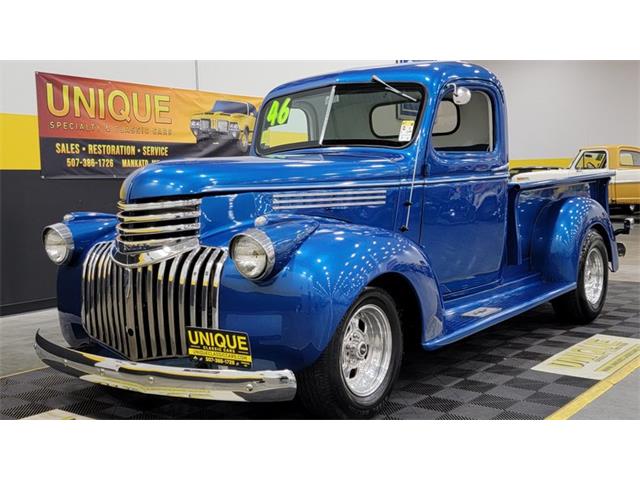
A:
x: 66, y: 239
x: 261, y: 240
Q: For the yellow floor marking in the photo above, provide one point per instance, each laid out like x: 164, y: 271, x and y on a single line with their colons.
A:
x: 581, y: 401
x: 595, y: 357
x: 26, y: 371
x: 56, y: 414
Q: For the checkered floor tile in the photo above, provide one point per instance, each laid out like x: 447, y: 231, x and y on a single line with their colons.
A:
x: 486, y: 376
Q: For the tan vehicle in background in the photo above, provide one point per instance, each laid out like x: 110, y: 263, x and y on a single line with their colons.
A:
x: 624, y: 188
x: 226, y: 121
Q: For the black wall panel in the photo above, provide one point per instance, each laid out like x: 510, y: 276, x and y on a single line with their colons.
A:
x: 27, y: 204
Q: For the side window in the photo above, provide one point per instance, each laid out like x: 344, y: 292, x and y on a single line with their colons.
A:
x: 629, y: 159
x: 590, y: 160
x: 464, y: 128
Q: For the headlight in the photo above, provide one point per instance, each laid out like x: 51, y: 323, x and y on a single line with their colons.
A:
x: 234, y: 126
x: 253, y: 254
x: 58, y: 242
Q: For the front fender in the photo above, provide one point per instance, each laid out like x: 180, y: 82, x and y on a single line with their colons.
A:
x: 559, y: 233
x: 292, y: 316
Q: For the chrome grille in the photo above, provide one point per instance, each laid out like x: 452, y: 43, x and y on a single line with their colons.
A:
x: 146, y: 227
x: 222, y: 125
x: 142, y: 312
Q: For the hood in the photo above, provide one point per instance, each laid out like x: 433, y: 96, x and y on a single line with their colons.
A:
x: 233, y: 174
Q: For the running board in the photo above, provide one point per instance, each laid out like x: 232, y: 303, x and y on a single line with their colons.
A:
x: 468, y: 315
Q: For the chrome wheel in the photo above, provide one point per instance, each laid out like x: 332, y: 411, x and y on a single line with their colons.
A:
x: 244, y: 141
x: 593, y: 277
x: 366, y: 350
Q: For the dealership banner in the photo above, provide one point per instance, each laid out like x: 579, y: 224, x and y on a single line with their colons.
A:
x: 102, y: 128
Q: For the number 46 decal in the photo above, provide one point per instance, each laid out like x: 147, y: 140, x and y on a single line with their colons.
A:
x: 279, y: 112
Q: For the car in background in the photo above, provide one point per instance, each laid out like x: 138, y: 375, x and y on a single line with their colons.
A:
x: 624, y: 188
x: 227, y: 120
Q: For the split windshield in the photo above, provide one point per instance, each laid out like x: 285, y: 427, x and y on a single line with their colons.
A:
x: 367, y: 114
x: 222, y: 106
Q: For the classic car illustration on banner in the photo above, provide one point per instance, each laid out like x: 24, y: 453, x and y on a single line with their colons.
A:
x: 92, y: 128
x: 226, y: 120
x: 375, y: 210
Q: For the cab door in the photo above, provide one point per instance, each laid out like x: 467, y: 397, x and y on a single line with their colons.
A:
x: 465, y: 190
x: 627, y: 179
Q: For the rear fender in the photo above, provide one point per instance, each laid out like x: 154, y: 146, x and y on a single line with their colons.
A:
x: 558, y: 235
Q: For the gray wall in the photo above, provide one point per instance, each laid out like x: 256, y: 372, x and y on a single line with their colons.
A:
x: 556, y: 107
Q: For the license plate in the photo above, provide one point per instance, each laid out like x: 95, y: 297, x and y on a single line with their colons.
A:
x: 221, y: 347
x: 223, y: 125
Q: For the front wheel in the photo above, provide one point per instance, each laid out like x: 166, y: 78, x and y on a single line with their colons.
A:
x: 584, y: 304
x: 355, y: 374
x: 243, y: 141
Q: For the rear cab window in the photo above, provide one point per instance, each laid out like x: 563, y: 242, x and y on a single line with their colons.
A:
x: 629, y: 159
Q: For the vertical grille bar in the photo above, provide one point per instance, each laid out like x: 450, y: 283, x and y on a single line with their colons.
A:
x: 91, y: 303
x: 143, y: 312
x: 117, y: 319
x: 140, y: 312
x: 171, y: 294
x: 160, y: 295
x: 87, y: 286
x: 130, y: 311
x: 216, y: 285
x: 121, y: 308
x: 195, y: 289
x: 100, y: 297
x: 150, y: 312
x: 205, y: 313
x: 109, y: 304
x: 183, y: 300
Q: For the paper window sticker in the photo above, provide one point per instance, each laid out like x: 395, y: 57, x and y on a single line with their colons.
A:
x: 406, y: 130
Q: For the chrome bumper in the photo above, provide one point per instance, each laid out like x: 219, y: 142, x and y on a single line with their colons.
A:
x: 226, y: 385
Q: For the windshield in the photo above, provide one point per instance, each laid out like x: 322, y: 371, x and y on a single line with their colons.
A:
x: 359, y: 115
x: 222, y: 106
x: 591, y: 159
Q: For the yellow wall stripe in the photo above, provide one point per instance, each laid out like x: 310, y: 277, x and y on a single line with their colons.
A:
x: 581, y: 401
x: 20, y: 147
x: 19, y: 143
x: 563, y: 162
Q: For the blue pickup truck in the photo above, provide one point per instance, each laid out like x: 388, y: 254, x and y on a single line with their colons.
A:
x: 374, y: 212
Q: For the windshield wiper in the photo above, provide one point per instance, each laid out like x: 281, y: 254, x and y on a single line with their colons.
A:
x: 376, y: 78
x: 326, y: 114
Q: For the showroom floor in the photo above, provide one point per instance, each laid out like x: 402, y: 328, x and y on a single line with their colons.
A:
x: 487, y: 376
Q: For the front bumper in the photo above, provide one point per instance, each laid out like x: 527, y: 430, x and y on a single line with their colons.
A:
x: 227, y: 385
x: 215, y: 135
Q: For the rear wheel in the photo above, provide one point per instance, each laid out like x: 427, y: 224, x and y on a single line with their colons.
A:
x: 355, y: 374
x: 584, y: 304
x: 243, y: 141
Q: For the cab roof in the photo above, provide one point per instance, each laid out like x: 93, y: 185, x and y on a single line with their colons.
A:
x: 433, y: 75
x: 610, y: 147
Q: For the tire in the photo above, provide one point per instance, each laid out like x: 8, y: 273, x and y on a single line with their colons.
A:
x: 584, y: 304
x: 243, y: 141
x: 323, y: 387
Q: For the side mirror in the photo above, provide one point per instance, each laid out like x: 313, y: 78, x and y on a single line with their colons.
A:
x: 461, y: 95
